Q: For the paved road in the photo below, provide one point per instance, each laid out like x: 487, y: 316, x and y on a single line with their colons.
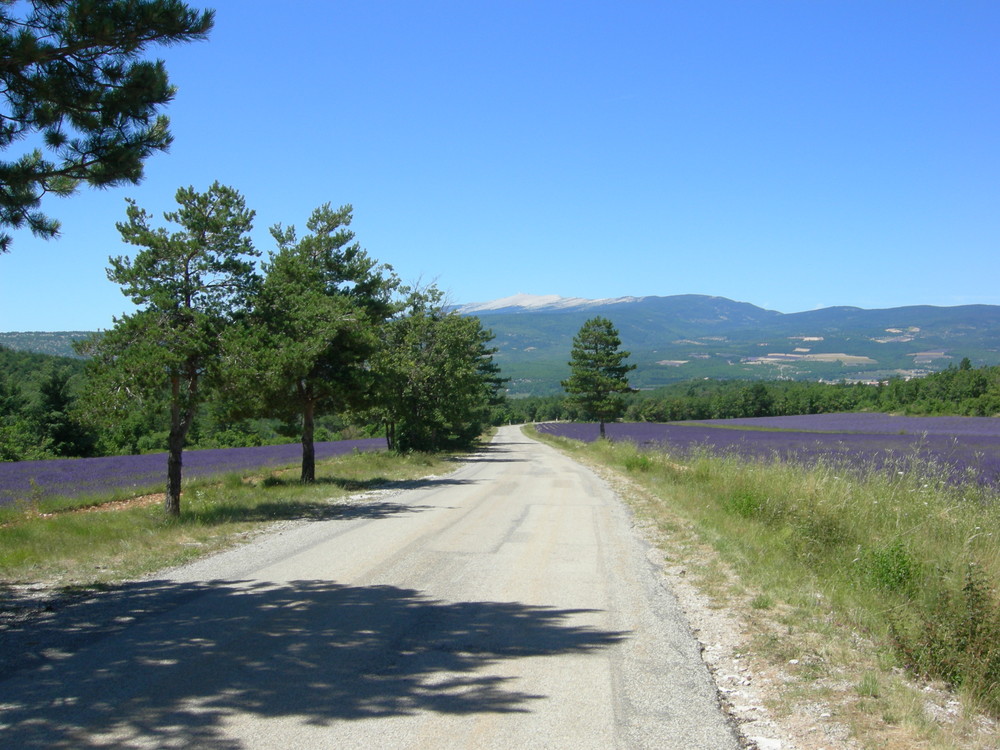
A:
x: 507, y: 605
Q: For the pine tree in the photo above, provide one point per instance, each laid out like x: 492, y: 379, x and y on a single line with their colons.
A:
x: 190, y: 285
x: 599, y: 375
x: 314, y: 325
x: 72, y: 82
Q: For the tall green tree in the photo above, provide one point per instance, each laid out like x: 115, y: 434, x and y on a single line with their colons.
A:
x: 437, y: 379
x: 314, y: 325
x: 190, y: 285
x: 598, y: 372
x: 53, y: 412
x: 19, y: 439
x: 74, y: 86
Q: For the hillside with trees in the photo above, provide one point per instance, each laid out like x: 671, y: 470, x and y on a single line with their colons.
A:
x: 686, y: 337
x: 958, y: 390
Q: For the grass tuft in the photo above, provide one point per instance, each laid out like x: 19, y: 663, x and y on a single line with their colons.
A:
x: 870, y: 686
x: 762, y: 601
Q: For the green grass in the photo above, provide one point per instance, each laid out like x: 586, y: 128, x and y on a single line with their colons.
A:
x: 70, y: 546
x: 911, y: 566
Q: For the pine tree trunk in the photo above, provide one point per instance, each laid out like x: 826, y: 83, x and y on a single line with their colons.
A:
x: 308, y: 446
x: 175, y: 448
x: 172, y: 503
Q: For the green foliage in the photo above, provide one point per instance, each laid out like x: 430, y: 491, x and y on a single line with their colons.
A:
x: 190, y: 285
x: 638, y: 462
x: 957, y: 638
x: 54, y: 414
x: 198, y: 273
x: 745, y: 503
x: 20, y: 442
x: 74, y: 78
x: 138, y: 424
x: 313, y: 328
x: 16, y: 439
x: 437, y: 381
x: 217, y: 357
x: 599, y: 375
x: 961, y: 391
x: 892, y: 567
x: 37, y: 396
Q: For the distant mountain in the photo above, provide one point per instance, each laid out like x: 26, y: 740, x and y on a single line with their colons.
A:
x: 539, y: 303
x: 58, y: 343
x: 694, y: 336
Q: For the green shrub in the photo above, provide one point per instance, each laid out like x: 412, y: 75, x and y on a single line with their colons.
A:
x: 638, y: 462
x: 745, y: 503
x: 892, y: 568
x: 957, y: 639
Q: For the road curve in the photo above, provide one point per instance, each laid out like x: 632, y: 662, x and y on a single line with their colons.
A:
x: 507, y: 605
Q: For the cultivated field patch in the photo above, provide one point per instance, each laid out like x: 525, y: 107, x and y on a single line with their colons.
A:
x: 959, y: 450
x: 29, y: 481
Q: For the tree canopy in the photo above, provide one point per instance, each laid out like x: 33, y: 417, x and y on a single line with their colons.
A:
x: 313, y: 325
x: 189, y: 284
x: 437, y: 381
x: 74, y: 88
x: 598, y: 372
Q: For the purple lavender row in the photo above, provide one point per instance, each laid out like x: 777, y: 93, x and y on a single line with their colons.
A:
x: 958, y: 457
x: 79, y: 477
x: 883, y: 424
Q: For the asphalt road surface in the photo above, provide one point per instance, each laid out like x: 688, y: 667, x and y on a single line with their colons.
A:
x: 507, y: 605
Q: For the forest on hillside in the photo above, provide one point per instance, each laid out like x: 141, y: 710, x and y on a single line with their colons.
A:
x: 43, y: 416
x: 958, y: 390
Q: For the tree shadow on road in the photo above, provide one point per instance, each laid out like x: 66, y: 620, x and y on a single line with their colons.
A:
x: 322, y: 509
x: 170, y: 662
x: 497, y: 452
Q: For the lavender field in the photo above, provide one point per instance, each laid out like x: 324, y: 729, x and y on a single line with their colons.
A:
x: 958, y: 449
x: 81, y: 477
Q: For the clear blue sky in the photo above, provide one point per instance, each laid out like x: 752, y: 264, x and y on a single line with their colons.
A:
x: 790, y: 154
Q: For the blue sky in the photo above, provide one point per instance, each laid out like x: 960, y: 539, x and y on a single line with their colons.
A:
x: 790, y: 154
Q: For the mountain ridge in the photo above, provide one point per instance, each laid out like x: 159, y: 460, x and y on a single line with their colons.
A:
x: 545, y: 302
x: 684, y: 337
x: 538, y: 303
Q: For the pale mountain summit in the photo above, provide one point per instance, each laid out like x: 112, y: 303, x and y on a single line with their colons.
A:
x: 537, y: 302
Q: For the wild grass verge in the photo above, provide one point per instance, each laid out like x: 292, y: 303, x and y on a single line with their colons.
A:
x: 69, y: 545
x: 897, y: 561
